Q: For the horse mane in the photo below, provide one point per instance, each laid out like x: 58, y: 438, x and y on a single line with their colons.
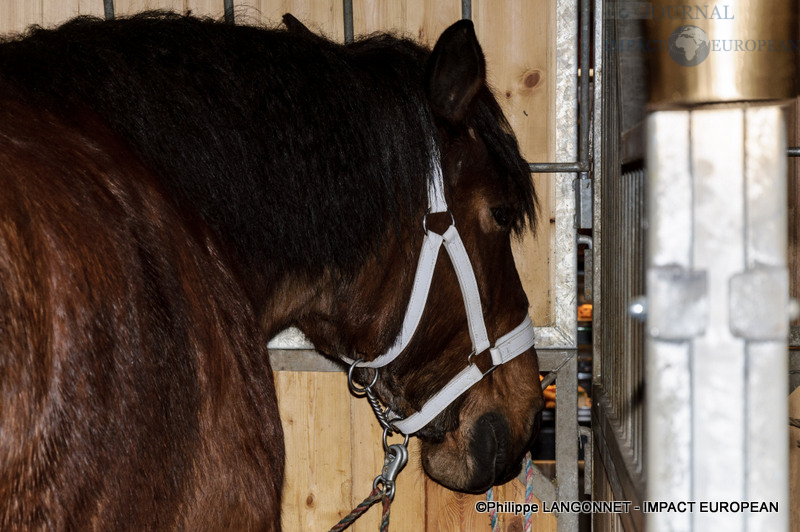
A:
x: 303, y: 152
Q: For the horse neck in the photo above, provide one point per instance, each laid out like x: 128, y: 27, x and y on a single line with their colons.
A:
x: 348, y: 313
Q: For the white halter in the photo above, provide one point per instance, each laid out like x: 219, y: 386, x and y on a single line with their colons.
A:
x: 519, y: 340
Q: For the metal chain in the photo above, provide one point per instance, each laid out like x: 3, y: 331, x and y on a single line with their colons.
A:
x: 381, y: 412
x: 383, y: 487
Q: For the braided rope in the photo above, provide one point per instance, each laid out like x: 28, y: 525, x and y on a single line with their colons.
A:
x: 528, y: 491
x: 375, y: 496
x: 385, y: 516
x: 493, y: 512
x: 493, y: 517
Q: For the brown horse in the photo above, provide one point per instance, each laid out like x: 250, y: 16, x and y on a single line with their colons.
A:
x: 136, y: 392
x: 284, y: 180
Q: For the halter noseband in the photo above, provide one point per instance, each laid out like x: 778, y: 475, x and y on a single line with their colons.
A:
x: 519, y: 340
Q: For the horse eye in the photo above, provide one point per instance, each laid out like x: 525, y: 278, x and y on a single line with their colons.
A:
x: 502, y: 215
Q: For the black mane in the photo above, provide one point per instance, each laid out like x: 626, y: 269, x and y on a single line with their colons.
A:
x: 304, y: 151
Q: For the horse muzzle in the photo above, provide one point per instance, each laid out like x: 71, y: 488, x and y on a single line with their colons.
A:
x: 492, y: 457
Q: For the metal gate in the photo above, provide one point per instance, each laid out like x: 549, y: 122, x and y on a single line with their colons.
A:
x: 619, y: 235
x: 690, y: 399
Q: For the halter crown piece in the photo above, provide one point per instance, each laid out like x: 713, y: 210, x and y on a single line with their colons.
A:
x: 517, y: 341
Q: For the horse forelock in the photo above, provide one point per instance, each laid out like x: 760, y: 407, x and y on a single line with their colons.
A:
x: 488, y: 121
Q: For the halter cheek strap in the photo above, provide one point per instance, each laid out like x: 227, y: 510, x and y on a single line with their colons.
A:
x: 505, y: 349
x: 508, y: 347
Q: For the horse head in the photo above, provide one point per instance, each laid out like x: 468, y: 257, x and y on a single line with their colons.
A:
x: 478, y: 440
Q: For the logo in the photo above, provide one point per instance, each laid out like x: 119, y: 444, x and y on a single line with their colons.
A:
x: 689, y: 46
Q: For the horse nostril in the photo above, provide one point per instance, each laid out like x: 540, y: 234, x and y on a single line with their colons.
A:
x: 489, y: 448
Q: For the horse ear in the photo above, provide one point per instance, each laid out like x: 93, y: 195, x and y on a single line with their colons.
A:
x: 295, y: 26
x: 455, y: 72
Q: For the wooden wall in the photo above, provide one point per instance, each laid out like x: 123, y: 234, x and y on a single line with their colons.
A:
x: 333, y: 441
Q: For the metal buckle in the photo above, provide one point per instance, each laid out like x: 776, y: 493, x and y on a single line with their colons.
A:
x: 484, y: 363
x: 425, y: 220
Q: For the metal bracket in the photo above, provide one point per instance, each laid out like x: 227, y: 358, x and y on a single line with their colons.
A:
x: 588, y: 268
x: 583, y: 201
x: 588, y: 449
x: 677, y: 303
x: 759, y: 304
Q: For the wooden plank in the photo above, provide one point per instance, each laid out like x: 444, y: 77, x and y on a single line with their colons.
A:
x: 206, y: 8
x: 321, y: 17
x: 55, y: 12
x: 316, y: 421
x: 17, y: 15
x: 422, y: 20
x: 129, y: 7
x: 449, y: 510
x: 540, y: 522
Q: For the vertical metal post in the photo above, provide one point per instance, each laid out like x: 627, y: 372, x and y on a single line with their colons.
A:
x: 766, y: 282
x: 229, y: 14
x: 347, y: 9
x: 466, y: 9
x: 717, y: 316
x: 108, y: 9
x: 584, y: 205
x: 567, y: 441
x: 667, y: 371
x: 585, y: 65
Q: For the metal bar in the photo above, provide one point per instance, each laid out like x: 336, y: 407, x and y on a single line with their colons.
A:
x: 229, y: 17
x: 567, y: 442
x: 668, y: 367
x: 542, y: 487
x: 587, y: 458
x: 718, y: 366
x: 466, y: 9
x: 347, y: 6
x: 793, y: 151
x: 765, y: 381
x: 108, y: 9
x: 556, y: 168
x: 301, y: 360
x: 583, y: 87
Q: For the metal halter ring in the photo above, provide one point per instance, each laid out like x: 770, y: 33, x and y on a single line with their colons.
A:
x: 474, y: 353
x: 386, y: 432
x: 357, y: 390
x: 425, y: 220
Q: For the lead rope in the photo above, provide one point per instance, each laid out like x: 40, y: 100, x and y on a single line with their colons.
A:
x: 382, y: 487
x: 493, y: 512
x: 493, y: 518
x: 376, y: 495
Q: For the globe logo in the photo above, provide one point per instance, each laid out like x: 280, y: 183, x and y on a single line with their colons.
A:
x: 689, y: 46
